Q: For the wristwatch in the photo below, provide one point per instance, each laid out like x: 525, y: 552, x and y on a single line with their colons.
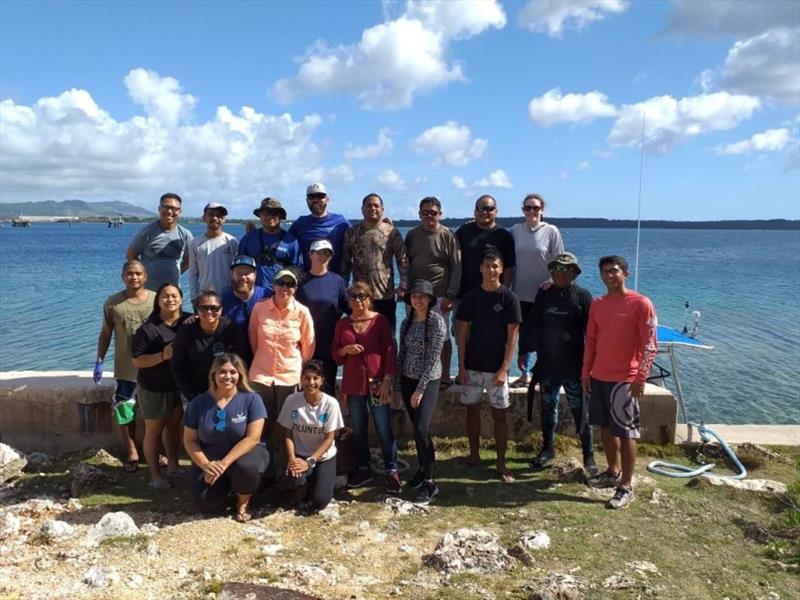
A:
x: 311, y: 462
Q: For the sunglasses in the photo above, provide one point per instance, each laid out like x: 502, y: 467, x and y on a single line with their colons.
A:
x: 531, y: 208
x: 360, y: 297
x: 429, y: 213
x: 269, y: 213
x: 561, y: 269
x: 220, y: 420
x: 212, y: 308
x: 168, y: 208
x: 316, y: 196
x: 285, y: 283
x: 486, y: 208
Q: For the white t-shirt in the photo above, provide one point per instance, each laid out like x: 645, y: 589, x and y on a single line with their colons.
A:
x: 210, y: 263
x: 534, y: 249
x: 309, y: 424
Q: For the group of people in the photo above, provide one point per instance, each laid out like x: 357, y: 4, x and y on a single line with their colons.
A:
x: 281, y: 310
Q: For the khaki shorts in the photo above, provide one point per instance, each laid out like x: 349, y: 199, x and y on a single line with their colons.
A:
x: 450, y: 316
x: 158, y: 405
x: 479, y: 382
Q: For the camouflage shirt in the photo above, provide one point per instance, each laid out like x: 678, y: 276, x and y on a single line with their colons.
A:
x: 368, y: 254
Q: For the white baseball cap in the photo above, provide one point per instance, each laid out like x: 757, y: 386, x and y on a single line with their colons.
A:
x: 316, y: 188
x: 321, y: 245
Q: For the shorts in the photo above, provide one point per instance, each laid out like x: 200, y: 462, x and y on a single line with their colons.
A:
x: 611, y: 406
x: 449, y: 317
x: 158, y: 405
x: 477, y: 383
x: 123, y: 402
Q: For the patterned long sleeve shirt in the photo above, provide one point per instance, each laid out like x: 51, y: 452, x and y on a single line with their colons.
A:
x: 419, y: 358
x: 369, y: 255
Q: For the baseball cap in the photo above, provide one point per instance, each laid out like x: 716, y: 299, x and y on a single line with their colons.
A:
x: 245, y: 261
x: 321, y: 245
x: 316, y: 188
x: 285, y: 273
x: 216, y: 205
x: 270, y: 204
x: 567, y: 259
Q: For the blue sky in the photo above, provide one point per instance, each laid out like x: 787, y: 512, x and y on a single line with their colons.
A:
x: 235, y: 101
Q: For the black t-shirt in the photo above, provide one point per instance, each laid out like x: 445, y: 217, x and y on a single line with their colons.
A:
x: 489, y: 314
x: 473, y: 241
x: 558, y: 323
x: 194, y: 350
x: 151, y: 338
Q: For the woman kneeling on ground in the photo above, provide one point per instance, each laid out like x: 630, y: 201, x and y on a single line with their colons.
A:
x: 222, y: 435
x: 311, y: 419
x: 159, y: 398
x: 422, y: 336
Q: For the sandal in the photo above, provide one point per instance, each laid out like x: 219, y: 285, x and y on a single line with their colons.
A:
x: 130, y: 465
x: 242, y: 517
x: 519, y: 384
x: 443, y: 385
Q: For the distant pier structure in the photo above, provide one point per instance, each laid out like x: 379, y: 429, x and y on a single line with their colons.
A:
x: 21, y: 222
x: 116, y: 222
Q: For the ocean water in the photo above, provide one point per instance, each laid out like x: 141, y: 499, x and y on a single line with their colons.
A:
x: 54, y: 278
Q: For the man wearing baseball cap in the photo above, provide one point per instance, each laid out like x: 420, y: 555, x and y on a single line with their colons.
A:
x: 210, y: 255
x: 557, y: 328
x: 238, y: 301
x: 320, y: 224
x: 272, y: 247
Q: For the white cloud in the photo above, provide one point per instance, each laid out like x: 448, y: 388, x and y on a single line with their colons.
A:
x: 584, y: 166
x: 730, y: 17
x: 766, y: 65
x: 771, y: 140
x: 668, y: 120
x: 395, y: 61
x: 553, y: 107
x: 458, y: 182
x: 553, y: 16
x: 391, y: 180
x: 419, y: 179
x: 341, y: 173
x: 496, y: 179
x: 451, y: 144
x: 705, y: 80
x: 383, y: 146
x: 67, y: 146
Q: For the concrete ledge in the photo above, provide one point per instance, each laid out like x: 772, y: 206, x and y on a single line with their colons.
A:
x: 772, y: 435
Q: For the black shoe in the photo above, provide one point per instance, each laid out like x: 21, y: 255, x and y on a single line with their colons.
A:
x: 428, y: 492
x: 590, y: 466
x: 543, y: 460
x: 416, y: 481
x: 359, y: 478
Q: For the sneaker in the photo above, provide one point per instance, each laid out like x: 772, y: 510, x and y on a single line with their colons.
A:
x: 622, y: 498
x: 359, y: 478
x: 416, y: 481
x: 393, y: 483
x: 428, y: 492
x: 590, y: 466
x: 543, y: 460
x: 606, y: 479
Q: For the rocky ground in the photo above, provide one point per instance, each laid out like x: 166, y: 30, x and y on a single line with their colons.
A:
x: 78, y: 527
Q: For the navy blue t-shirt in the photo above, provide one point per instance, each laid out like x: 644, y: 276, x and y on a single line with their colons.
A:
x: 219, y: 430
x: 326, y: 299
x: 272, y: 252
x: 239, y: 312
x: 308, y: 229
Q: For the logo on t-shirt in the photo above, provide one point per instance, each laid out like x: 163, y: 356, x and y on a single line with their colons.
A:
x: 323, y: 418
x: 497, y: 307
x: 218, y: 349
x: 295, y: 415
x: 239, y: 418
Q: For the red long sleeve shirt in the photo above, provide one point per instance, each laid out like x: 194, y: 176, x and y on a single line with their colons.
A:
x: 620, y: 338
x: 380, y: 353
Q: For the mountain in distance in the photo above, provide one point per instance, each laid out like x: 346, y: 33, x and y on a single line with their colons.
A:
x: 73, y: 208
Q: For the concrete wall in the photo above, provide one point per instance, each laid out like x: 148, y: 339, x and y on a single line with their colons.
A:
x: 62, y: 412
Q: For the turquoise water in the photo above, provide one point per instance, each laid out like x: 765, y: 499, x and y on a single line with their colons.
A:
x: 54, y: 278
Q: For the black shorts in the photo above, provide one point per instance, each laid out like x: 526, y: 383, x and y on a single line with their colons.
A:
x: 611, y: 406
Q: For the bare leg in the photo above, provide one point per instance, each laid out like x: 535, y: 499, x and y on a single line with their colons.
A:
x: 611, y: 446
x: 501, y: 442
x: 447, y: 354
x: 474, y: 434
x: 128, y: 435
x: 152, y: 444
x: 242, y: 503
x: 629, y: 446
x: 171, y: 438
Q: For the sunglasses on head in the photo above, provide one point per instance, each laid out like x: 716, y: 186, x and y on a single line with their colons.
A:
x: 527, y: 208
x: 486, y: 208
x: 220, y: 420
x: 212, y: 308
x: 285, y: 283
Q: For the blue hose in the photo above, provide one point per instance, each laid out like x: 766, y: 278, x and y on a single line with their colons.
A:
x: 673, y: 470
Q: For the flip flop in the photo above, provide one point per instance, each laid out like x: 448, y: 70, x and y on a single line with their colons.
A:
x: 130, y: 465
x: 443, y: 385
x: 505, y: 475
x: 243, y: 517
x: 519, y: 384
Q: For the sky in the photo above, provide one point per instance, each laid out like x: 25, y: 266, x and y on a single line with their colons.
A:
x: 235, y: 101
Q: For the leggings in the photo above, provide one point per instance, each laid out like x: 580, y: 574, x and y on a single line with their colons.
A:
x: 243, y: 477
x: 320, y: 482
x: 421, y: 419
